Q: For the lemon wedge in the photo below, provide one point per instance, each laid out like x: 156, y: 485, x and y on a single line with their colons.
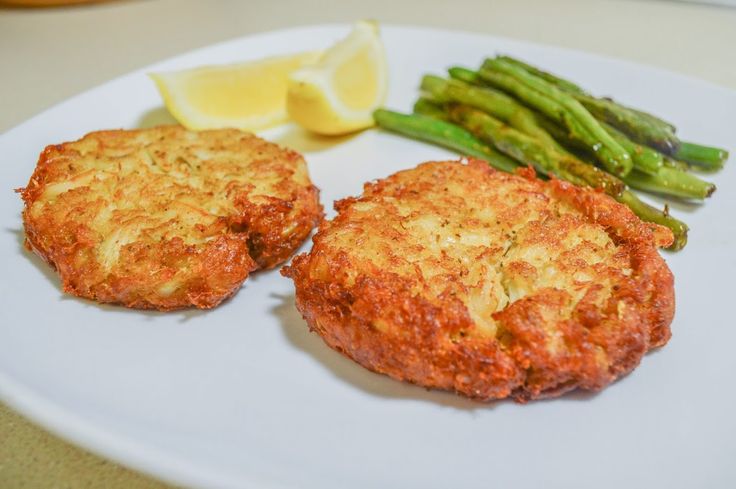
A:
x: 246, y: 96
x: 338, y: 93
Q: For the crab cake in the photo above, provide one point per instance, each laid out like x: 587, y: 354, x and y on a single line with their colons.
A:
x: 165, y: 218
x: 455, y: 276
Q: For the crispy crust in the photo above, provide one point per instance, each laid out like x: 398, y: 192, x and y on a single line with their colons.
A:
x: 457, y: 277
x: 165, y: 218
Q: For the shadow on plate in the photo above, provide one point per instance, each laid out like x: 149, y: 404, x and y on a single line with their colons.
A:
x: 48, y: 272
x: 290, y: 135
x: 159, y: 116
x: 298, y: 334
x: 687, y: 206
x: 303, y: 141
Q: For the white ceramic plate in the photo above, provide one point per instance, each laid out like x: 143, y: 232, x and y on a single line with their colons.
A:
x: 245, y: 396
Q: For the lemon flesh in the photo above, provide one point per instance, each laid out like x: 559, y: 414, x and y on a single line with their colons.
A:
x: 339, y: 93
x: 247, y: 96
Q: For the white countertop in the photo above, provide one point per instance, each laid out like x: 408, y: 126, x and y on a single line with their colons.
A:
x: 49, y: 55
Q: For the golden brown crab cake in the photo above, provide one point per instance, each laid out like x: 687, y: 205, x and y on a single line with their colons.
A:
x: 455, y: 276
x: 166, y: 218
